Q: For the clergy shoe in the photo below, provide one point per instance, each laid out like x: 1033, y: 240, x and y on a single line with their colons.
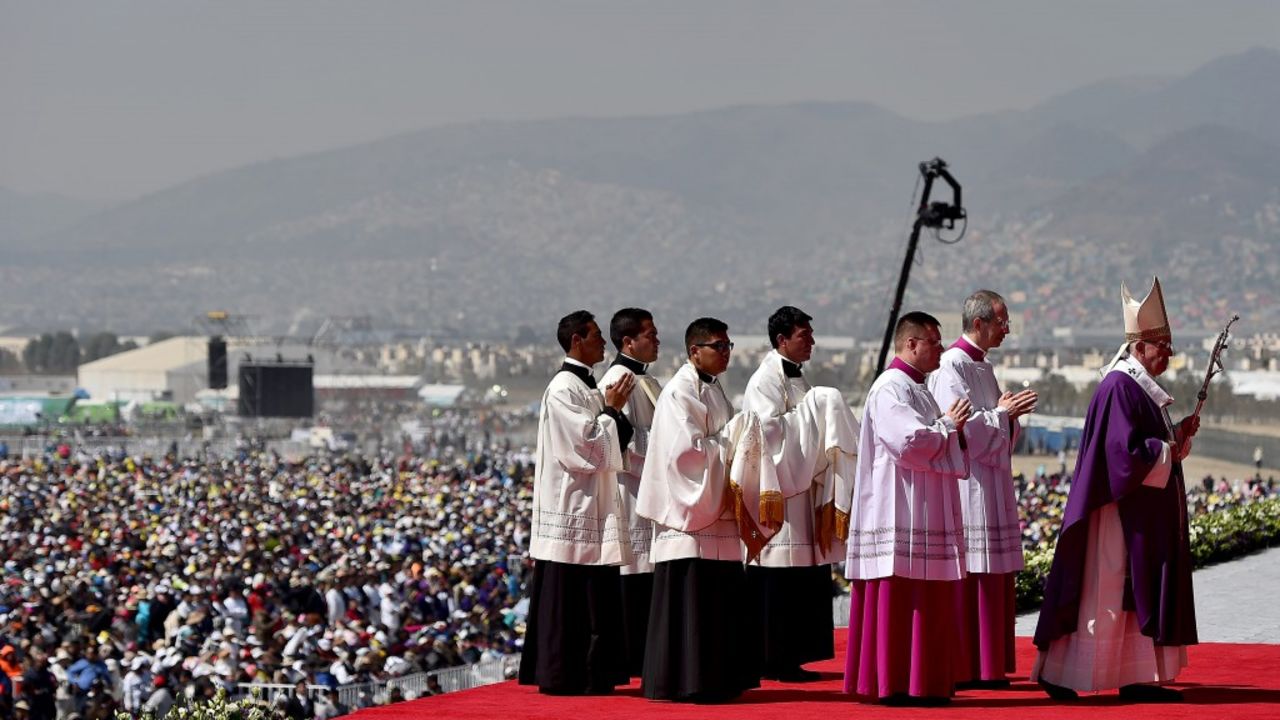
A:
x: 797, y: 675
x: 905, y: 700
x: 999, y: 684
x: 1057, y: 692
x: 1149, y: 694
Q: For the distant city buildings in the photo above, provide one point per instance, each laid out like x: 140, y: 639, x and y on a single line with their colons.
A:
x: 176, y: 369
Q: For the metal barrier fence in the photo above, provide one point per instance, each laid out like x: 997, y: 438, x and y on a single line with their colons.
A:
x: 358, y: 695
x: 34, y: 446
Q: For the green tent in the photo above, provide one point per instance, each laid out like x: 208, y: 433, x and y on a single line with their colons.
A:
x: 95, y: 412
x: 158, y: 410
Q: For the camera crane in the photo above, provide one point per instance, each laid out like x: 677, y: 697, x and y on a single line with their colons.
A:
x: 937, y: 215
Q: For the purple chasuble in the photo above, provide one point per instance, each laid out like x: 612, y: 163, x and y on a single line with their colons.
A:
x: 1120, y: 445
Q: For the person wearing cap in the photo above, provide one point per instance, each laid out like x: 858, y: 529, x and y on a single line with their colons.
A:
x: 1118, y: 606
x: 635, y: 337
x: 137, y: 684
x: 11, y: 666
x: 161, y: 699
x: 573, y: 640
x: 64, y: 697
x: 992, y: 533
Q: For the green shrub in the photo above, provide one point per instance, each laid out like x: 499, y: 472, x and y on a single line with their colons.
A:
x: 1215, y: 537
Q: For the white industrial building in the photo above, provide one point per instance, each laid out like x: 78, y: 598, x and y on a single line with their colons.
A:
x: 173, y: 369
x: 178, y: 368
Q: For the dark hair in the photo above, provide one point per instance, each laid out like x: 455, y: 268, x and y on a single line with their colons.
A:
x: 912, y: 321
x: 980, y: 306
x: 575, y: 323
x: 701, y: 330
x: 784, y: 321
x: 627, y: 323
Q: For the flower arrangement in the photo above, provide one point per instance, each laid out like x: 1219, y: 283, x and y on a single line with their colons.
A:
x: 251, y: 707
x: 1215, y: 537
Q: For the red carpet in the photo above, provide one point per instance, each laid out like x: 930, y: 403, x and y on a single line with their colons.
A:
x: 1235, y: 681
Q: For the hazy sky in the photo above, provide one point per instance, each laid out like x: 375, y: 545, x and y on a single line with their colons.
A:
x: 110, y: 99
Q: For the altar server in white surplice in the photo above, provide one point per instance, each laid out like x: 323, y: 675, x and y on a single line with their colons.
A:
x: 906, y: 538
x: 792, y: 582
x: 702, y: 645
x: 579, y: 536
x: 993, y: 537
x: 634, y: 335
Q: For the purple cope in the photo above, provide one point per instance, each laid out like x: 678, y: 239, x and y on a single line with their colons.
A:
x: 1121, y: 443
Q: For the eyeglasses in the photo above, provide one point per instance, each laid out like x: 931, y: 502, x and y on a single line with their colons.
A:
x: 999, y: 322
x: 720, y: 346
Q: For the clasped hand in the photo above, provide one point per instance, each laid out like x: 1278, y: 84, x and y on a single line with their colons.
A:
x: 1019, y: 404
x: 959, y: 412
x: 617, y: 394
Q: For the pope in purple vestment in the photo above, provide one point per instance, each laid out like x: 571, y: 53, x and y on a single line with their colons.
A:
x: 1124, y: 432
x: 1118, y: 609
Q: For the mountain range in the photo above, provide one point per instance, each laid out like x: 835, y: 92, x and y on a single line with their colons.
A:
x: 480, y: 229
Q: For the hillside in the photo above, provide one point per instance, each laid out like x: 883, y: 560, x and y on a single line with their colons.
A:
x: 727, y: 212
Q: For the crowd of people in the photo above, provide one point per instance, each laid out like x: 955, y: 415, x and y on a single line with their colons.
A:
x: 1215, y: 494
x: 1043, y: 500
x: 130, y: 582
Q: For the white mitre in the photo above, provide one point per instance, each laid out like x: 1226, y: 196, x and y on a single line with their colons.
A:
x: 1146, y: 320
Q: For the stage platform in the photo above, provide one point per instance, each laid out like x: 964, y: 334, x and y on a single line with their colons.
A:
x: 1223, y: 681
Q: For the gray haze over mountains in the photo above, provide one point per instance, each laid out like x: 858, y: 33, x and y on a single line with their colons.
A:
x: 481, y: 228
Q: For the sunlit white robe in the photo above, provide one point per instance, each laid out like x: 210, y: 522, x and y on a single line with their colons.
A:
x: 814, y: 449
x: 704, y: 482
x: 906, y: 518
x: 993, y: 536
x: 578, y: 516
x: 639, y: 410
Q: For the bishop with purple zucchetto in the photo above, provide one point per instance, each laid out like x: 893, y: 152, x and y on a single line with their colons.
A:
x: 906, y: 553
x: 993, y: 538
